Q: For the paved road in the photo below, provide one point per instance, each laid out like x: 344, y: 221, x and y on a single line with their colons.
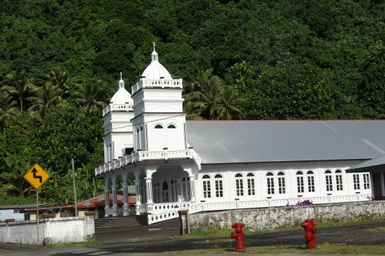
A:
x: 156, y: 239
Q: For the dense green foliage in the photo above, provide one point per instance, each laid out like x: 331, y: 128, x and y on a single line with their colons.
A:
x: 60, y: 60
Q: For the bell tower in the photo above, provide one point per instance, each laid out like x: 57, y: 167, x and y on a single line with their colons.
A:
x: 118, y: 138
x: 159, y: 121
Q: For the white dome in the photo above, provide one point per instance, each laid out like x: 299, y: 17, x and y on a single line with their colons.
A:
x: 122, y: 96
x: 155, y: 70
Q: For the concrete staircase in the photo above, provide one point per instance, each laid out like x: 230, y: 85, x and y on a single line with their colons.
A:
x: 119, y: 222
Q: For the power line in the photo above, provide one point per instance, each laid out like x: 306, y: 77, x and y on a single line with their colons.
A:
x: 156, y: 120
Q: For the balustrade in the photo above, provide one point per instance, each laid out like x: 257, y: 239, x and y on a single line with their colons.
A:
x: 162, y: 83
x: 141, y: 156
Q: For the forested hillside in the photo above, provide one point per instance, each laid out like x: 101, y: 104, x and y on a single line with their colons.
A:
x: 60, y: 62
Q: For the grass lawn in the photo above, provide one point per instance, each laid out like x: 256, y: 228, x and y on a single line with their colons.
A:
x: 203, y: 233
x: 326, y: 248
x: 223, y: 237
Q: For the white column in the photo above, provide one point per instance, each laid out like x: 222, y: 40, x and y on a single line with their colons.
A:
x: 382, y: 184
x: 137, y: 193
x: 106, y: 197
x: 137, y: 189
x: 125, y: 195
x: 149, y: 190
x: 180, y: 190
x: 192, y: 188
x: 114, y: 198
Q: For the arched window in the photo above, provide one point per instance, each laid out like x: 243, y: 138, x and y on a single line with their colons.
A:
x: 158, y: 126
x: 218, y: 185
x: 155, y: 192
x: 239, y: 184
x: 206, y: 186
x: 184, y: 188
x: 339, y: 186
x: 270, y: 183
x: 165, y: 191
x: 300, y: 182
x: 172, y: 191
x: 171, y: 126
x: 250, y: 184
x: 310, y: 181
x: 281, y: 183
x: 328, y: 180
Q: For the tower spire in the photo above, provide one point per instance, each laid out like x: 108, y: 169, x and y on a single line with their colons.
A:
x: 154, y: 54
x: 121, y: 81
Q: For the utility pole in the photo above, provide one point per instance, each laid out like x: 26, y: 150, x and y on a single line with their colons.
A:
x: 74, y: 187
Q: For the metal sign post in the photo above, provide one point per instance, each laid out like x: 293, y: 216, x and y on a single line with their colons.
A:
x: 36, y: 176
x: 74, y: 187
x: 37, y: 214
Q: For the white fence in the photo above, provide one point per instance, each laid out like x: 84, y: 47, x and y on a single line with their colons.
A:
x: 65, y: 230
x: 167, y: 211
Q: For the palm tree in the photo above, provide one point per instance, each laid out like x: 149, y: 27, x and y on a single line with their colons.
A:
x: 91, y: 96
x: 211, y: 99
x: 226, y: 108
x: 59, y: 79
x: 8, y: 107
x: 12, y: 177
x: 18, y: 85
x: 47, y: 96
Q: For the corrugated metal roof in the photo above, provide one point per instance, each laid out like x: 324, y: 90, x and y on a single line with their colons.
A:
x: 369, y: 165
x: 275, y: 141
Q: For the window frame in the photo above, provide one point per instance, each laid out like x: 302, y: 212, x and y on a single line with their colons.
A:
x: 250, y: 177
x: 218, y: 185
x: 281, y: 183
x: 206, y: 186
x: 356, y: 181
x: 300, y: 182
x: 239, y: 184
x: 270, y: 183
x: 329, y: 181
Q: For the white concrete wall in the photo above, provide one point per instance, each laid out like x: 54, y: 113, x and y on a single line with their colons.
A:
x: 268, y: 218
x: 259, y: 171
x: 118, y: 134
x: 66, y: 230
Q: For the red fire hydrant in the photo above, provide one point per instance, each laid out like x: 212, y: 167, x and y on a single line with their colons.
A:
x: 310, y: 228
x: 239, y: 237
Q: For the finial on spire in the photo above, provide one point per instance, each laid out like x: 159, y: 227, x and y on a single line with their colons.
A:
x: 154, y: 54
x: 121, y: 82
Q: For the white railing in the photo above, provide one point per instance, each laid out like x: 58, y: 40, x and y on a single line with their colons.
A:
x: 161, y: 83
x: 162, y: 212
x: 142, y: 156
x: 166, y: 207
x: 165, y: 211
x: 117, y: 107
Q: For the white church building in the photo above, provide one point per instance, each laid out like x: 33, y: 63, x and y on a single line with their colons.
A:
x: 219, y: 165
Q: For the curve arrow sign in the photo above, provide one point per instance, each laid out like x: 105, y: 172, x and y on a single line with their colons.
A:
x: 34, y: 171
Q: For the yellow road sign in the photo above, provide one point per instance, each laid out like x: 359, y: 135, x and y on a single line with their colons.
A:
x: 36, y: 176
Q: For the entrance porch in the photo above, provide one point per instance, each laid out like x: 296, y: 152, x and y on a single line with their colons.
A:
x: 161, y: 191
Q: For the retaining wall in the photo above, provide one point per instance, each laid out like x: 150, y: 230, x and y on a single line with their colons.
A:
x: 277, y: 217
x: 65, y: 230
